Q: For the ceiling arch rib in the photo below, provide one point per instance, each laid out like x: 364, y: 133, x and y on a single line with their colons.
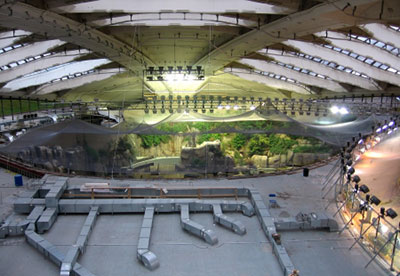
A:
x: 204, y: 6
x: 267, y: 79
x: 344, y: 60
x: 293, y: 74
x: 335, y: 74
x: 50, y: 24
x: 318, y: 18
x: 30, y: 50
x: 180, y: 19
x: 361, y: 48
x: 383, y: 33
x: 40, y: 64
x: 83, y: 79
x: 47, y: 75
x: 9, y: 38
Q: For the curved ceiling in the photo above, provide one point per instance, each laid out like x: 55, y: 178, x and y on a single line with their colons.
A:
x: 85, y: 50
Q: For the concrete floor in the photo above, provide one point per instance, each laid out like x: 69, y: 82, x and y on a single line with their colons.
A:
x: 112, y: 245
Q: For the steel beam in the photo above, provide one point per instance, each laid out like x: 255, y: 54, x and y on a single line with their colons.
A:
x: 306, y: 79
x: 148, y: 258
x: 342, y: 59
x: 195, y: 228
x: 228, y: 222
x: 319, y: 68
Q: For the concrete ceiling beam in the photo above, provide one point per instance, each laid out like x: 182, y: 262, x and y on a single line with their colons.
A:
x: 344, y: 60
x: 11, y: 37
x: 31, y: 50
x: 361, y: 48
x: 174, y: 19
x: 337, y: 75
x: 40, y: 77
x: 271, y: 82
x: 383, y: 33
x: 40, y: 64
x: 204, y: 6
x: 318, y: 18
x: 305, y: 79
x: 52, y: 25
x: 76, y: 82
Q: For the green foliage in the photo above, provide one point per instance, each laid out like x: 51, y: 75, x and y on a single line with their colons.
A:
x: 279, y: 145
x: 149, y: 141
x: 239, y: 141
x: 124, y: 144
x: 312, y: 149
x: 260, y: 143
x: 208, y: 137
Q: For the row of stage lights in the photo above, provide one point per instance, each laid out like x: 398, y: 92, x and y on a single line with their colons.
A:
x: 187, y: 104
x: 171, y: 73
x: 354, y: 150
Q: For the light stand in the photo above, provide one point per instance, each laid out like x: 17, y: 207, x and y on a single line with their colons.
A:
x: 381, y: 215
x: 356, y: 179
x: 394, y: 235
x: 361, y: 209
x: 376, y: 201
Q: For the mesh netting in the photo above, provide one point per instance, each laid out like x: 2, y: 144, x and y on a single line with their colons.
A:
x: 170, y: 146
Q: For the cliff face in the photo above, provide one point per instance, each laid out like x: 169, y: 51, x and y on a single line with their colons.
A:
x: 172, y: 148
x: 206, y: 158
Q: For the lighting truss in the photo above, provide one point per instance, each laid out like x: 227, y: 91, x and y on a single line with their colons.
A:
x: 171, y: 73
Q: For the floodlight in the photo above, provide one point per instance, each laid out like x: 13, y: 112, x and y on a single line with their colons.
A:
x: 378, y: 130
x: 252, y: 107
x: 364, y: 189
x: 391, y: 213
x: 227, y: 107
x: 391, y: 123
x: 349, y: 162
x: 334, y: 109
x: 149, y: 78
x: 350, y: 171
x: 356, y: 179
x: 375, y: 200
x: 382, y: 212
x: 343, y: 111
x: 235, y: 107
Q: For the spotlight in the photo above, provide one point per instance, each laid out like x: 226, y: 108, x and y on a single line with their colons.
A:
x: 375, y: 200
x: 151, y: 70
x: 160, y: 78
x: 334, y: 109
x: 161, y: 70
x: 391, y: 123
x: 252, y: 107
x: 227, y: 107
x: 364, y: 189
x: 356, y: 179
x: 343, y: 111
x: 235, y: 107
x: 198, y: 70
x: 378, y: 130
x: 149, y: 78
x: 220, y: 107
x: 351, y: 171
x: 391, y: 213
